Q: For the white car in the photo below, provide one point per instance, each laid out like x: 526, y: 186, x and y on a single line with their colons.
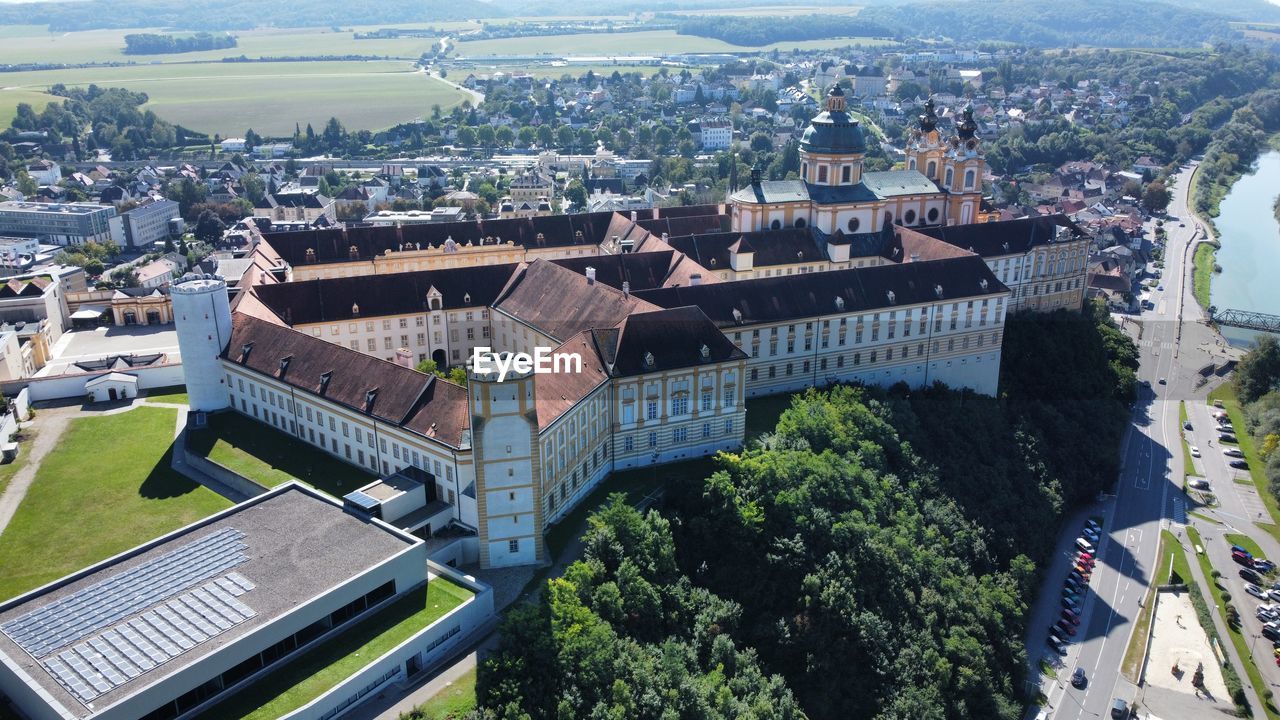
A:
x: 1255, y: 591
x: 1198, y: 484
x: 1195, y: 451
x: 1232, y: 452
x: 1274, y: 595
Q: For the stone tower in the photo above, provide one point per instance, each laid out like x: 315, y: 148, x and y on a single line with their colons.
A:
x: 202, y: 314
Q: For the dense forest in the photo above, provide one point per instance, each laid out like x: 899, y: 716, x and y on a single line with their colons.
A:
x: 756, y: 31
x: 1098, y: 23
x: 157, y: 44
x: 877, y: 551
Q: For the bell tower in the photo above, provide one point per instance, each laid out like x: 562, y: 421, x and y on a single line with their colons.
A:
x: 964, y: 166
x: 926, y: 148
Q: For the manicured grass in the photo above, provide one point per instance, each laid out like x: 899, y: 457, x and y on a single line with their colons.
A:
x: 635, y: 484
x: 763, y: 413
x: 456, y: 700
x: 8, y: 470
x: 1237, y: 639
x: 321, y: 668
x: 228, y: 98
x: 1227, y: 394
x: 1245, y: 542
x: 1203, y: 262
x: 1174, y: 569
x: 1205, y: 518
x: 1188, y: 462
x: 176, y: 395
x: 269, y: 457
x: 11, y: 97
x: 106, y: 487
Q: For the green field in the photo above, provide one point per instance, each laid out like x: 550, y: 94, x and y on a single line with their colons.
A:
x: 32, y: 43
x: 649, y: 42
x: 105, y: 488
x: 10, y: 97
x: 228, y: 98
x: 555, y: 72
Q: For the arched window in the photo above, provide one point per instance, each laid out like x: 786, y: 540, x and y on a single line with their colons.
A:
x: 775, y: 225
x: 846, y: 174
x: 822, y: 173
x: 799, y: 222
x: 911, y: 164
x: 853, y: 224
x: 947, y: 182
x: 933, y: 169
x: 909, y: 217
x: 968, y: 179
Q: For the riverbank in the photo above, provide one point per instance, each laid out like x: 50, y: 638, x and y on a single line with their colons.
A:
x: 1245, y: 256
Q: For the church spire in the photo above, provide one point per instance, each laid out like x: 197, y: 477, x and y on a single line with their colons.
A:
x: 835, y: 100
x: 929, y: 119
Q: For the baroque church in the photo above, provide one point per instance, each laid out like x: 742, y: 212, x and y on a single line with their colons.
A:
x: 941, y: 185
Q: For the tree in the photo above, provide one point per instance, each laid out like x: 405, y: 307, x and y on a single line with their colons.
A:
x: 254, y: 189
x: 576, y: 193
x: 427, y: 367
x: 761, y: 142
x: 1259, y: 369
x: 466, y: 136
x: 546, y: 136
x: 486, y: 135
x: 1156, y: 196
x: 209, y: 227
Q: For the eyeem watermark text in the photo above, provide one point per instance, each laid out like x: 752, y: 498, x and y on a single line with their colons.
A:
x: 543, y: 360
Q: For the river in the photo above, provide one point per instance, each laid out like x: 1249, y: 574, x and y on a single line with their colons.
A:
x: 1250, y: 253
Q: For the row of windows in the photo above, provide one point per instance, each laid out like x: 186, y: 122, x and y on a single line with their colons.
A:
x: 679, y: 435
x: 889, y: 354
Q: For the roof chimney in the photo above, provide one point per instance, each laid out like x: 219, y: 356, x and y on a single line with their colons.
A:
x: 626, y: 289
x: 695, y: 279
x: 404, y: 357
x: 591, y: 275
x: 915, y: 257
x: 634, y: 217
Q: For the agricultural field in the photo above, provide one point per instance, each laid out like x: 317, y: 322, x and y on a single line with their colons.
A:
x: 228, y: 98
x: 33, y: 43
x: 649, y: 42
x: 775, y: 11
x: 10, y: 97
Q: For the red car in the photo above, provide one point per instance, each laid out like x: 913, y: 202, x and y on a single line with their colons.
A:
x: 1084, y: 556
x: 1066, y: 627
x: 1070, y: 617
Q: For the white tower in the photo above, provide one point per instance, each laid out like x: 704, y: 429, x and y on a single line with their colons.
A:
x: 202, y: 312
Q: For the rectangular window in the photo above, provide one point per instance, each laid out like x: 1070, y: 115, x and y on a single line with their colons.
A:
x: 728, y: 426
x: 707, y: 399
x: 706, y: 430
x: 513, y: 546
x: 628, y: 444
x: 680, y: 434
x: 651, y: 410
x: 653, y: 439
x: 680, y: 405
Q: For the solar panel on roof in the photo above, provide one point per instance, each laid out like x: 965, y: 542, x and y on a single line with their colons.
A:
x: 361, y: 500
x: 71, y: 618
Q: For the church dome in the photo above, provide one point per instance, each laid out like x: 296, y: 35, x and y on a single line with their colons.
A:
x: 834, y: 131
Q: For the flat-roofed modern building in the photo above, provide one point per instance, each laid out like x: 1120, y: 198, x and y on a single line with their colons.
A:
x: 170, y: 628
x: 62, y: 223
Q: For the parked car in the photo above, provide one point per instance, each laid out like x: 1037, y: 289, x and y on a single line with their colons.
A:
x: 1232, y: 452
x: 1186, y: 425
x: 1056, y: 645
x: 1092, y: 524
x: 1070, y: 604
x: 1198, y: 483
x: 1217, y: 403
x: 1250, y: 576
x: 1242, y: 551
x: 1066, y: 627
x: 1162, y: 381
x: 1270, y: 633
x: 1263, y: 566
x: 1226, y: 427
x: 1195, y: 451
x: 1239, y: 464
x: 1119, y: 709
x: 1078, y: 679
x: 1228, y: 438
x: 1274, y: 595
x: 1255, y: 591
x: 1242, y: 559
x: 1071, y: 615
x: 1084, y: 545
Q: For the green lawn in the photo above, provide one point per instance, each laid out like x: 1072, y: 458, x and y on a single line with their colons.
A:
x: 1227, y: 394
x: 270, y: 457
x: 1203, y: 262
x: 456, y: 700
x: 1188, y: 463
x: 105, y: 488
x: 228, y: 98
x: 176, y: 395
x: 321, y: 668
x: 1242, y: 648
x: 763, y: 413
x: 1245, y: 542
x: 636, y: 484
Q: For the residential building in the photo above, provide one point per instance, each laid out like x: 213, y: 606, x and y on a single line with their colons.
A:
x: 717, y: 133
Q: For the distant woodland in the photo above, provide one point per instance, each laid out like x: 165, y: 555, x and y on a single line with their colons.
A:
x: 155, y: 44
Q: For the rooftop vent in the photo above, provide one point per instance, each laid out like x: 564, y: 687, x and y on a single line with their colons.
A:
x: 353, y: 252
x: 626, y: 289
x: 893, y: 297
x: 355, y: 309
x: 591, y: 275
x: 695, y: 279
x: 737, y: 316
x: 937, y: 290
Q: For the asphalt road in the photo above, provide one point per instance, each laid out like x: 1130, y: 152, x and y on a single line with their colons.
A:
x: 1146, y: 495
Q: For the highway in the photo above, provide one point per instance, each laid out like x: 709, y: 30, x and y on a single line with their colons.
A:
x: 1146, y: 497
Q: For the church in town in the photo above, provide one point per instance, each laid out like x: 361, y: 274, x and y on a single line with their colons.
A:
x: 941, y: 185
x: 679, y: 316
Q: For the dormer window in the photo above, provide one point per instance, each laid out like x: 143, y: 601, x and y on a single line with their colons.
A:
x: 355, y: 309
x: 839, y: 303
x: 893, y: 297
x: 705, y: 352
x: 369, y: 397
x: 937, y: 290
x: 983, y: 284
x: 648, y: 360
x: 466, y: 299
x: 284, y: 363
x: 325, y: 377
x: 737, y: 316
x: 244, y: 351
